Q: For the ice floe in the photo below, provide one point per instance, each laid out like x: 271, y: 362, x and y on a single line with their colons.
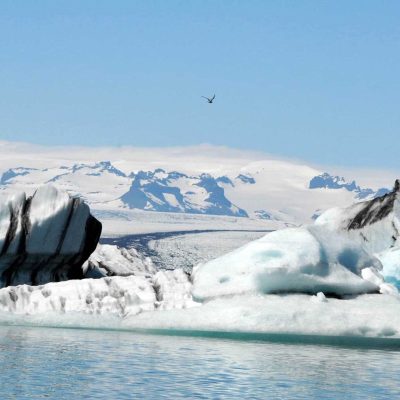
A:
x: 120, y: 296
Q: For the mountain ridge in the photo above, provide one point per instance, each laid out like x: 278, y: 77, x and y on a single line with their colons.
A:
x: 270, y: 190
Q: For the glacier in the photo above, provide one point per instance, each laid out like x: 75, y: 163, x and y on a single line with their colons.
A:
x: 334, y: 277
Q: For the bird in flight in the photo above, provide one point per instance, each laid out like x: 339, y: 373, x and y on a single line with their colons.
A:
x: 210, y: 100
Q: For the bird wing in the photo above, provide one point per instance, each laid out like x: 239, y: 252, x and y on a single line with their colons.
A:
x: 213, y: 97
x: 204, y: 97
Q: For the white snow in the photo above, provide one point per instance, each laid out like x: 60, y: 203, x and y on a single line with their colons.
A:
x: 281, y: 186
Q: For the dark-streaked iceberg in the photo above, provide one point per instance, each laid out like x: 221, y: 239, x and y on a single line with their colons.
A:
x: 45, y: 237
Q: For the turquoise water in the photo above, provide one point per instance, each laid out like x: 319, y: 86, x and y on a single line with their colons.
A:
x: 37, y: 363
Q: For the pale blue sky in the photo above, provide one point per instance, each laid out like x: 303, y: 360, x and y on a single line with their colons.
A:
x: 317, y: 80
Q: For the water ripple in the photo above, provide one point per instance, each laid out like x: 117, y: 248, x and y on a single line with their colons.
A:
x: 38, y: 363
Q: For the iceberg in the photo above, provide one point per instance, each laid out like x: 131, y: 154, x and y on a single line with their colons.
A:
x: 302, y: 260
x: 130, y: 303
x: 45, y: 237
x: 328, y: 278
x: 111, y: 260
x: 117, y: 296
x: 337, y: 255
x: 375, y: 225
x: 390, y: 260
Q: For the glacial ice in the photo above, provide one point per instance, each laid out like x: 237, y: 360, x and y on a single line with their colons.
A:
x: 111, y: 260
x: 328, y: 278
x: 118, y: 296
x: 45, y: 237
x: 390, y: 260
x: 303, y: 260
x: 375, y: 225
x: 368, y: 315
x: 335, y: 255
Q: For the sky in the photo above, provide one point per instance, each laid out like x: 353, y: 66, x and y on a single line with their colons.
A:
x: 314, y: 80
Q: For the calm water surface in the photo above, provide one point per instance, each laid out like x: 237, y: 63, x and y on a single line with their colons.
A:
x: 83, y: 364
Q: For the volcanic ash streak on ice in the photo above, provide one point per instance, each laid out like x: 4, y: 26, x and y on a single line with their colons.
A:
x: 44, y: 238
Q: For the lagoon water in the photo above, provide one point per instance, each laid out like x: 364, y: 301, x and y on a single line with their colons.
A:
x: 37, y: 363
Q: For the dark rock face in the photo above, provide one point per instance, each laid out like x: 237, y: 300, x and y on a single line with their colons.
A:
x: 217, y: 203
x: 45, y: 238
x: 246, y: 179
x: 168, y: 192
x: 331, y: 182
x: 327, y: 181
x: 12, y: 173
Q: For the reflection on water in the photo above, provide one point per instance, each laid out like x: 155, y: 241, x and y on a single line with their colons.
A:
x: 76, y: 364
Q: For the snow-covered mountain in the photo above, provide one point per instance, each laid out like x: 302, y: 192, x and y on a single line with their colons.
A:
x: 264, y: 190
x: 270, y: 192
x: 146, y: 190
x: 327, y: 181
x: 94, y: 182
x: 176, y: 192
